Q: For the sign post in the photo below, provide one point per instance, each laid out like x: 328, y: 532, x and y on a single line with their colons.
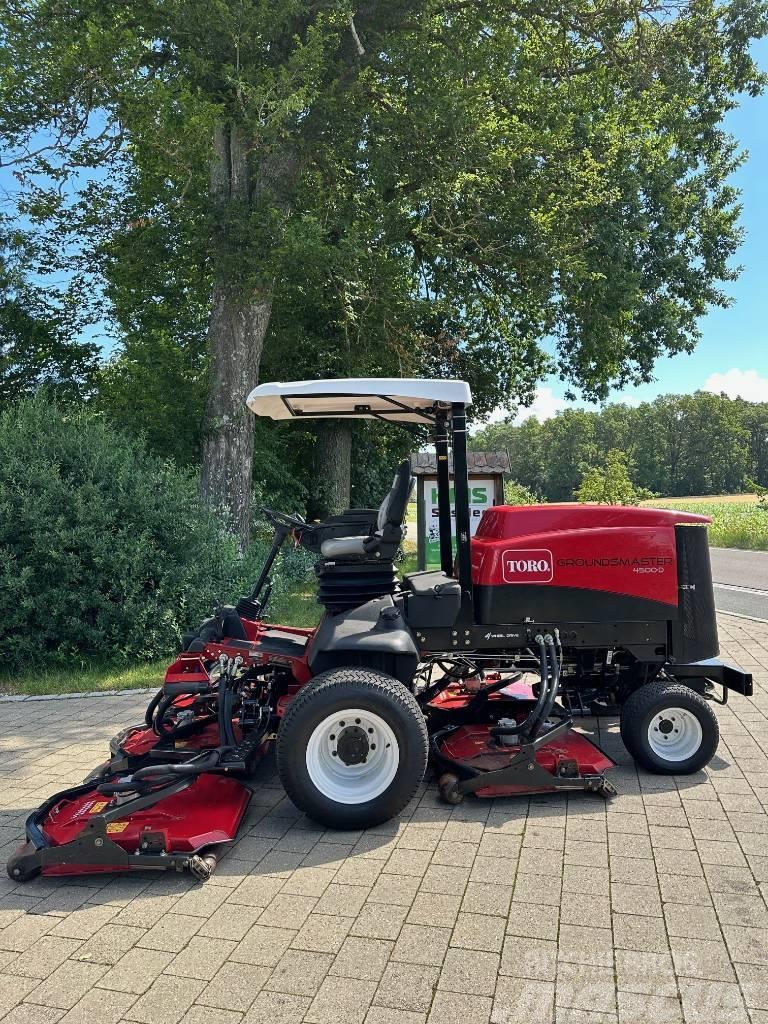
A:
x: 486, y: 488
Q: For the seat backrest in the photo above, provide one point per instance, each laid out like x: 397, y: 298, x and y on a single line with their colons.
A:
x: 392, y: 509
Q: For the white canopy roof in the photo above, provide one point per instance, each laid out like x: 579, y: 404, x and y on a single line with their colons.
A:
x: 392, y: 398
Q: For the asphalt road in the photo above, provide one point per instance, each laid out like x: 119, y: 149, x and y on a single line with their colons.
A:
x: 741, y: 581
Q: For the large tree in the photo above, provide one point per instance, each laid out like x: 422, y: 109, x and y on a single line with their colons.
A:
x: 536, y: 170
x: 38, y: 334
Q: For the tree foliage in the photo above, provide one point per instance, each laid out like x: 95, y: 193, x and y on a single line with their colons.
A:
x: 421, y: 183
x: 610, y: 483
x: 677, y: 445
x: 36, y: 334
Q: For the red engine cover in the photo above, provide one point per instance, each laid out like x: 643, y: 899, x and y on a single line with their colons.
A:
x: 608, y: 548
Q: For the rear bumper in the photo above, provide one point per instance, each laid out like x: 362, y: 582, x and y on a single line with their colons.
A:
x: 724, y: 672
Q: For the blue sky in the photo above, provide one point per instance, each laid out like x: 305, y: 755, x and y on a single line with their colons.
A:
x: 734, y: 340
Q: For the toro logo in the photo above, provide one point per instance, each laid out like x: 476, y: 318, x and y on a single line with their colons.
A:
x: 527, y: 565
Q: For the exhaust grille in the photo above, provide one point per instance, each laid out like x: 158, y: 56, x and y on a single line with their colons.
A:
x: 695, y: 633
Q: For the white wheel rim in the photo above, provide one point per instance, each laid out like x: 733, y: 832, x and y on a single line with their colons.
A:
x: 675, y: 734
x: 346, y: 730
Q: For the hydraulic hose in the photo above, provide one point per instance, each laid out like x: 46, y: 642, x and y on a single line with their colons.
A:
x: 163, y: 707
x: 226, y: 702
x: 144, y: 778
x: 555, y: 679
x: 529, y: 726
x: 202, y: 763
x: 151, y: 708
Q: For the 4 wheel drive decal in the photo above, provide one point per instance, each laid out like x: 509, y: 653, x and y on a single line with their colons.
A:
x: 527, y: 565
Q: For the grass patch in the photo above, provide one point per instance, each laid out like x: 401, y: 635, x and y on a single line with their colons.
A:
x: 737, y: 520
x: 84, y: 678
x: 295, y: 607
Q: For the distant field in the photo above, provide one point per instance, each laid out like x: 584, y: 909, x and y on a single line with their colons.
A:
x: 737, y: 521
x: 710, y: 499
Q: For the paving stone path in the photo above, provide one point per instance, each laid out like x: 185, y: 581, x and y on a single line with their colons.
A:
x: 650, y: 908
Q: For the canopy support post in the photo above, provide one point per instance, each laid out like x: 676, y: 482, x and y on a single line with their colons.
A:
x: 443, y: 495
x: 461, y: 500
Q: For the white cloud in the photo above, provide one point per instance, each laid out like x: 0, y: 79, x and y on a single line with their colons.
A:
x: 746, y: 384
x: 543, y: 407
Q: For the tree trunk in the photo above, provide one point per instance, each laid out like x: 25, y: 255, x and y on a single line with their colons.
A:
x: 236, y: 336
x: 332, y: 468
x: 236, y: 329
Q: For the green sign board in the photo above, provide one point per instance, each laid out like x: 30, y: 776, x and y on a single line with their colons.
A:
x: 481, y: 493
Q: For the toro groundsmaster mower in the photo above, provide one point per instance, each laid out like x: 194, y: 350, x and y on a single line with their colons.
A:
x: 478, y: 667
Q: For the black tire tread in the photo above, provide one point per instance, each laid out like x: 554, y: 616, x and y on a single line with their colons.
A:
x: 368, y: 679
x: 639, y: 704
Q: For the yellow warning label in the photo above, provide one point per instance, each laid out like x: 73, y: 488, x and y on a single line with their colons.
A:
x: 99, y: 806
x: 117, y: 826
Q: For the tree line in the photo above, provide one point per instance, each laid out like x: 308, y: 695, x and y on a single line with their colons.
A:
x: 676, y: 445
x: 272, y: 190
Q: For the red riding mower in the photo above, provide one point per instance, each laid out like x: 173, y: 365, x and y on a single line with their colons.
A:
x: 545, y: 613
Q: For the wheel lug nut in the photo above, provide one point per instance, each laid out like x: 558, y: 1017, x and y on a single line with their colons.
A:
x: 373, y: 746
x: 333, y: 736
x: 370, y: 730
x: 334, y: 753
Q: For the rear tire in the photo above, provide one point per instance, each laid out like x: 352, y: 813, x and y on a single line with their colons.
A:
x: 352, y: 748
x: 669, y: 729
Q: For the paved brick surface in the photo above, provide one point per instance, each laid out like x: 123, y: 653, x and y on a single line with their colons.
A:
x: 650, y: 909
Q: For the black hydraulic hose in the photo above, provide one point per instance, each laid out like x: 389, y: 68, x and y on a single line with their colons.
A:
x: 226, y: 699
x: 555, y: 681
x: 157, y: 775
x: 163, y: 707
x: 202, y: 763
x: 151, y: 708
x: 188, y: 728
x: 529, y: 727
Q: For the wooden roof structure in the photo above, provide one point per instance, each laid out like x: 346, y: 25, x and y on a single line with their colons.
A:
x: 478, y: 463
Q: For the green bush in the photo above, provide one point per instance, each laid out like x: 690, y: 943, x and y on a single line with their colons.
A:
x: 105, y: 549
x: 519, y: 494
x: 611, y: 483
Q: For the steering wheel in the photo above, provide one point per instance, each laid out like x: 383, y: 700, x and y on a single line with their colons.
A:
x: 292, y: 521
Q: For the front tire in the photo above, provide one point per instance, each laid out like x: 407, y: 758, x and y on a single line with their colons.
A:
x: 352, y: 748
x: 669, y: 729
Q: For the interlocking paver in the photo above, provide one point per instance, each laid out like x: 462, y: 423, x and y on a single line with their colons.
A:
x: 299, y: 972
x: 470, y: 972
x: 643, y: 1008
x: 67, y: 984
x: 521, y: 1001
x: 379, y: 921
x: 452, y: 1008
x: 165, y: 1001
x: 420, y: 944
x: 365, y: 959
x: 234, y: 987
x: 560, y: 910
x: 106, y: 1008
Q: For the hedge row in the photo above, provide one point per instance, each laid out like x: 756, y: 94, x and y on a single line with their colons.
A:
x: 105, y: 549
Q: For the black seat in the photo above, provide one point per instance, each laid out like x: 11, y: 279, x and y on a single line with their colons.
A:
x: 387, y: 533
